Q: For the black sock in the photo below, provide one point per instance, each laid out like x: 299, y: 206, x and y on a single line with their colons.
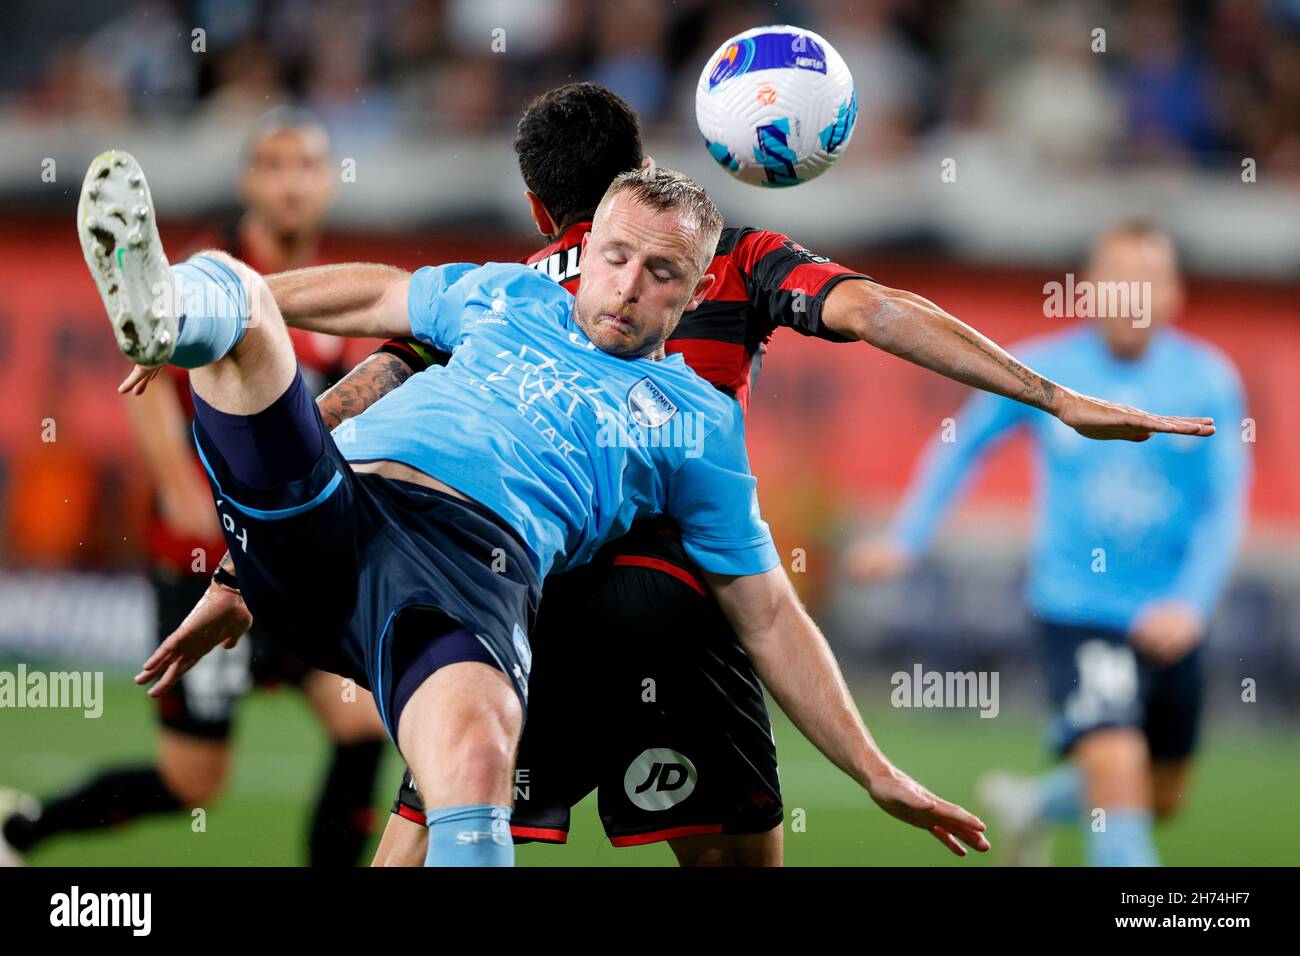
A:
x: 344, y: 817
x: 111, y: 799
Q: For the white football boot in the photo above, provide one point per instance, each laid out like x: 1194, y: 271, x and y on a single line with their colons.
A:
x: 119, y: 236
x: 14, y: 802
x: 1016, y: 823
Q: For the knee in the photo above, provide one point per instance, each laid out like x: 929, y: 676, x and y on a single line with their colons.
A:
x: 196, y: 786
x: 241, y: 269
x: 485, y: 755
x: 1116, y: 767
x: 257, y: 293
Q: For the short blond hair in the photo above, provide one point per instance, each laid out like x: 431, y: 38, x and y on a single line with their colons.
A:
x: 666, y: 190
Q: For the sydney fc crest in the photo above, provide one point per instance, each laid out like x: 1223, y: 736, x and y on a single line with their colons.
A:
x: 648, y: 405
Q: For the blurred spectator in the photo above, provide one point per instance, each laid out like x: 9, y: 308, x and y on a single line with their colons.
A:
x: 1056, y: 103
x: 1165, y: 87
x: 1205, y: 83
x: 630, y: 56
x: 893, y: 82
x: 146, y: 55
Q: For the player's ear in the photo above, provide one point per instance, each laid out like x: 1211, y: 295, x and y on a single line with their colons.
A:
x: 545, y: 224
x: 701, y: 290
x: 582, y: 249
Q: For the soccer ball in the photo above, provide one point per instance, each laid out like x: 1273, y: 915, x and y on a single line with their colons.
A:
x: 776, y: 106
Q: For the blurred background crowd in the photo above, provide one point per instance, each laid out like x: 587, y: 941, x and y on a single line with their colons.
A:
x: 1198, y: 83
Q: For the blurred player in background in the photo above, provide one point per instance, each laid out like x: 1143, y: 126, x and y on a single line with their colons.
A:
x: 1133, y: 548
x: 286, y: 188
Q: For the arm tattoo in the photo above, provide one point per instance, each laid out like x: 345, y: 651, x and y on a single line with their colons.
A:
x: 1037, y: 390
x: 362, y: 387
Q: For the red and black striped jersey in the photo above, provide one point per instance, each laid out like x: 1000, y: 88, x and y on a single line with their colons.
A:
x: 765, y: 280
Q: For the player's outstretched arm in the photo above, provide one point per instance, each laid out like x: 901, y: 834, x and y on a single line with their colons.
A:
x: 796, y: 665
x: 916, y: 329
x: 356, y: 299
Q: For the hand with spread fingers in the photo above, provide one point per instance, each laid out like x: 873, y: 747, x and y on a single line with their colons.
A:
x: 220, y: 617
x: 900, y: 796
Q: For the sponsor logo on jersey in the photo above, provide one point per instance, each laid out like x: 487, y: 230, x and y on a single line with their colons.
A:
x: 560, y: 266
x: 803, y: 253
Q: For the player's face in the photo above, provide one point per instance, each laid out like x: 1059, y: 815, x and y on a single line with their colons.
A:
x: 288, y: 183
x: 640, y: 271
x: 1149, y: 265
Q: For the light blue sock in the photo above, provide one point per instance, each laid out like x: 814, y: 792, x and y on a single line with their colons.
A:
x: 214, y: 311
x: 1058, y: 794
x: 477, y: 834
x: 1127, y: 840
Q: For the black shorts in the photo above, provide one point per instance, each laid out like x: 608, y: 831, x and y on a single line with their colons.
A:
x: 641, y: 691
x: 328, y: 561
x: 1096, y: 680
x: 202, y: 703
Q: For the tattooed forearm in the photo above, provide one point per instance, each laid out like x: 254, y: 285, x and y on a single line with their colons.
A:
x: 1036, y: 390
x: 915, y: 329
x: 362, y: 387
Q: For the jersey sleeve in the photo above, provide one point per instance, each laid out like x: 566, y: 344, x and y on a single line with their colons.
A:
x: 788, y: 284
x: 435, y: 303
x: 417, y: 356
x: 714, y: 499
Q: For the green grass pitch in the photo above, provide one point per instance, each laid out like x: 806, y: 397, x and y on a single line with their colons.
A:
x: 1240, y: 809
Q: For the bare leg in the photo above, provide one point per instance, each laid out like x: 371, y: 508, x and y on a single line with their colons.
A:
x: 459, y: 733
x: 1115, y: 767
x: 1169, y: 783
x: 346, y: 721
x: 747, y: 849
x: 404, y: 843
x: 261, y: 366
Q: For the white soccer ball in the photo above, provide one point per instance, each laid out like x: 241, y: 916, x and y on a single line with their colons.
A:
x: 776, y: 106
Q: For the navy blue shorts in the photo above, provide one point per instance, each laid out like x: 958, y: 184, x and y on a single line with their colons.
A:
x: 1096, y: 679
x: 327, y: 562
x: 695, y: 757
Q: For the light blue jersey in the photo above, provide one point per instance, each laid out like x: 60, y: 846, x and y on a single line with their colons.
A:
x: 1118, y: 524
x: 564, y: 442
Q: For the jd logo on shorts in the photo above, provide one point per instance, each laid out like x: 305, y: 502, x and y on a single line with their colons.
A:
x: 659, y: 779
x: 648, y: 405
